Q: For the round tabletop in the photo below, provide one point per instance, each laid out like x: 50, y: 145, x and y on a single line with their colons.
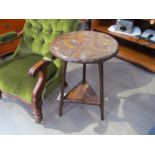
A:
x: 84, y: 47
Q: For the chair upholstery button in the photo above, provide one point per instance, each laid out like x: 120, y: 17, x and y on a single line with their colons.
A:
x: 29, y: 25
x: 42, y: 41
x: 31, y: 39
x: 50, y: 31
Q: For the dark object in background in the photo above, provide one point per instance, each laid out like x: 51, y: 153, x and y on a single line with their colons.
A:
x: 149, y: 35
x: 85, y: 24
x: 7, y: 26
x: 124, y: 25
x: 8, y: 37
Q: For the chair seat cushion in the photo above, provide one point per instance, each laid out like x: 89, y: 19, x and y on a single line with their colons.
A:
x: 15, y: 79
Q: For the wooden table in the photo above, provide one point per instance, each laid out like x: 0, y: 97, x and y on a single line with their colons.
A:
x: 84, y: 47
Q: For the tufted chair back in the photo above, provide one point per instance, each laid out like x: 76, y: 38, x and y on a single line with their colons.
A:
x: 39, y: 33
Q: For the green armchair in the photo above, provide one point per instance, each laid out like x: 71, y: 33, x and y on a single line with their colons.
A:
x: 32, y: 72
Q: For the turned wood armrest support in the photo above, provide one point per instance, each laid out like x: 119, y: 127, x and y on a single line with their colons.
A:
x: 39, y: 66
x: 39, y: 69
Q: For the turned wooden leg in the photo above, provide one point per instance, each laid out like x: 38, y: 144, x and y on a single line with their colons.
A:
x: 37, y: 110
x: 37, y: 93
x: 84, y: 73
x: 62, y: 87
x: 100, y: 65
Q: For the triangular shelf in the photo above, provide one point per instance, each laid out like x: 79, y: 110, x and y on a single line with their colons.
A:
x: 82, y: 93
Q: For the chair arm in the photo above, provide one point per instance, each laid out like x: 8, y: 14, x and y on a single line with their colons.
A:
x: 10, y: 36
x: 39, y: 69
x: 39, y: 66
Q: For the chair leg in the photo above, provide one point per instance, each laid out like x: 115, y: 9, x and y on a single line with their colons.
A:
x: 37, y: 96
x: 37, y: 110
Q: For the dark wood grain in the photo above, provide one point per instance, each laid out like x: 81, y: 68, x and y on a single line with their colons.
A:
x: 39, y: 66
x: 84, y: 47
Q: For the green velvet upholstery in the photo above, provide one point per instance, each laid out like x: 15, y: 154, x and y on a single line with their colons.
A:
x: 18, y: 82
x: 34, y: 46
x: 8, y: 37
x: 38, y: 34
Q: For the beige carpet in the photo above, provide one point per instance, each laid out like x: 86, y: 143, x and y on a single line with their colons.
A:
x: 129, y: 105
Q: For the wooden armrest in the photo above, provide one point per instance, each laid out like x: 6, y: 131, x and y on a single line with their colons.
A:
x: 39, y: 66
x: 39, y: 69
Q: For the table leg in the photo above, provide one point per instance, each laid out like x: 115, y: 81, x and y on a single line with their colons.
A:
x: 100, y: 66
x: 66, y: 84
x: 84, y: 73
x: 64, y: 66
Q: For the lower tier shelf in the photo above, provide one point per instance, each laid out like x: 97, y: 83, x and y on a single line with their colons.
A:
x: 82, y: 93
